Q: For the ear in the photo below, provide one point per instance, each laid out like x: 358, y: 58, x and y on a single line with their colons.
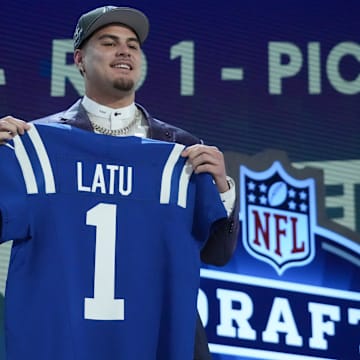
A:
x: 78, y: 57
x: 78, y: 60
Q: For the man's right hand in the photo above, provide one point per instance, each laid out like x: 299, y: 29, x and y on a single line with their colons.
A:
x: 10, y: 127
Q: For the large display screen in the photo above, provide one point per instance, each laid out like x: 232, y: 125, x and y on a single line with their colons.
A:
x: 246, y: 76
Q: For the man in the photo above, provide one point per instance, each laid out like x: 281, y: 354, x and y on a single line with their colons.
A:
x: 107, y: 52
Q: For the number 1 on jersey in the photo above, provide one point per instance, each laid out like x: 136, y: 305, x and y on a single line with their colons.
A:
x: 104, y: 306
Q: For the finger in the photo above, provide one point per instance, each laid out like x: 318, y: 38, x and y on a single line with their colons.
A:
x: 5, y: 136
x: 13, y: 125
x: 198, y: 150
x: 203, y: 159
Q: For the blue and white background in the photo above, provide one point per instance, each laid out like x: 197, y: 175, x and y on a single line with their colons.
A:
x: 245, y: 76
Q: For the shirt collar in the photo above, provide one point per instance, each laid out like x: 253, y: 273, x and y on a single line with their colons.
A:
x: 106, y: 112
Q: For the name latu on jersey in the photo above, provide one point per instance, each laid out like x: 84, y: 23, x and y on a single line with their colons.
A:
x: 105, y: 179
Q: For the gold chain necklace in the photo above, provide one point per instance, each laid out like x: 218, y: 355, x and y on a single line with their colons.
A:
x: 121, y: 131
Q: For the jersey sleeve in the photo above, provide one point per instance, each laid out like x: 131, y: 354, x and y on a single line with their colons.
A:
x: 208, y: 207
x: 13, y: 200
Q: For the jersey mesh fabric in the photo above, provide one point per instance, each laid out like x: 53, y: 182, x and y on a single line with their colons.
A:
x: 107, y: 235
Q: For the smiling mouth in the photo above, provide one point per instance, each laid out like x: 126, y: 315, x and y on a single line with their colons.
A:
x: 122, y: 66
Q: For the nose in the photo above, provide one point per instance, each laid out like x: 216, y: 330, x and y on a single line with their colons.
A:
x: 122, y: 50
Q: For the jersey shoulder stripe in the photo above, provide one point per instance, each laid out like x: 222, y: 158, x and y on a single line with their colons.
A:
x: 166, y: 179
x: 171, y: 179
x: 184, y: 184
x: 43, y: 159
x: 26, y: 165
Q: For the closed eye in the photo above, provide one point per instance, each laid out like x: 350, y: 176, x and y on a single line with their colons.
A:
x: 108, y: 44
x: 133, y: 46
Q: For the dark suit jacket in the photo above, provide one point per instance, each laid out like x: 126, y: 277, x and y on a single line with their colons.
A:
x: 222, y: 241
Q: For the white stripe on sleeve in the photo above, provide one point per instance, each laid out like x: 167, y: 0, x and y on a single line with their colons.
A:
x: 167, y: 173
x: 184, y: 184
x: 25, y: 165
x: 44, y: 160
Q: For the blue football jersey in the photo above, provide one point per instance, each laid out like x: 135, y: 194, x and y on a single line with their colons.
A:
x: 107, y: 233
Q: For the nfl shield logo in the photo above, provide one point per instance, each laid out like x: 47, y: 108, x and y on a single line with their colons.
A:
x: 278, y: 213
